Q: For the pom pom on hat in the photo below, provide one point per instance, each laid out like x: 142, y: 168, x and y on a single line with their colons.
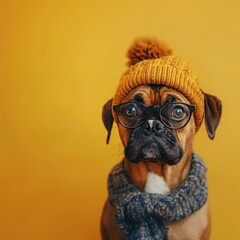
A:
x: 145, y: 49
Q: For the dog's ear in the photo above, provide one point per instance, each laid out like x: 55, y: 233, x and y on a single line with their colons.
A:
x: 213, y: 112
x: 107, y: 118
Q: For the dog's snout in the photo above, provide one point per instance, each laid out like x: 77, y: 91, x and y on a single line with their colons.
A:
x: 153, y: 125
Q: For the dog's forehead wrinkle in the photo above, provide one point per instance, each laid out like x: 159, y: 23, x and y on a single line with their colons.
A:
x: 170, y: 98
x: 140, y: 94
x: 160, y: 94
x: 171, y: 95
x: 138, y: 98
x: 155, y: 95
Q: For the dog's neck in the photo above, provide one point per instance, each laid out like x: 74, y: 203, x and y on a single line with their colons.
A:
x: 171, y: 175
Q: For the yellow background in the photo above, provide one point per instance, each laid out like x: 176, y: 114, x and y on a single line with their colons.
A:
x: 60, y: 61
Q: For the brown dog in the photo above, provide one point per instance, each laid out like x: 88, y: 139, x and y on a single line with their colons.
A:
x: 158, y: 158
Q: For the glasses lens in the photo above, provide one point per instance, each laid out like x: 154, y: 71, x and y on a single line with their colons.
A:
x: 175, y: 115
x: 131, y: 115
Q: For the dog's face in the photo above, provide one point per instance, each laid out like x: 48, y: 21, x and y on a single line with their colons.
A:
x: 158, y: 138
x: 153, y: 140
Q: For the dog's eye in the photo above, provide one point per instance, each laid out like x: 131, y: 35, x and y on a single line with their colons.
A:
x: 131, y: 110
x: 178, y: 113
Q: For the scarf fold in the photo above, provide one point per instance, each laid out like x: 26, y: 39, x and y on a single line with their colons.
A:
x: 141, y: 215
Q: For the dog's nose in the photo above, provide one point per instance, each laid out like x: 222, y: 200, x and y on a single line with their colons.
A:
x: 153, y: 125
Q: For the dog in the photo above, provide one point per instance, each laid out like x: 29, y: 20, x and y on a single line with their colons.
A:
x: 158, y: 148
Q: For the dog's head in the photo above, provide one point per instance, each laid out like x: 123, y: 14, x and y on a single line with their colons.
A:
x: 165, y: 131
x: 157, y: 122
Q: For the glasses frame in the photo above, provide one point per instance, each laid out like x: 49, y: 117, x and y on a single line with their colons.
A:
x: 150, y: 109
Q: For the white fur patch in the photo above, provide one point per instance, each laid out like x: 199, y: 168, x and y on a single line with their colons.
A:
x: 156, y: 184
x: 150, y: 122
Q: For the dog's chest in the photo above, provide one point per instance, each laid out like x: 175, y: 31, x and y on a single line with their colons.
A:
x: 156, y: 184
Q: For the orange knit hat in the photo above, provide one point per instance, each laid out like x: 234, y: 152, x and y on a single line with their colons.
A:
x: 151, y: 62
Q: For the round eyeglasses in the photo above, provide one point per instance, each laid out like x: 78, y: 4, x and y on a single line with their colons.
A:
x: 174, y: 115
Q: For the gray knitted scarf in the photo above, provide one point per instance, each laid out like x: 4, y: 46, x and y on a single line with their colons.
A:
x: 142, y: 215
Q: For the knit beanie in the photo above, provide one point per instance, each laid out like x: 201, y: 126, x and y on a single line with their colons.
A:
x: 152, y: 62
